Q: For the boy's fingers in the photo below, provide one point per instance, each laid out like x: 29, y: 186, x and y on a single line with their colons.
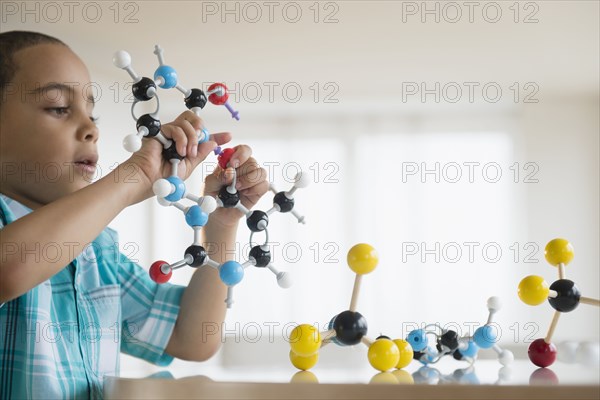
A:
x: 241, y: 155
x: 251, y: 176
x: 192, y: 118
x: 211, y: 184
x: 188, y: 124
x: 203, y: 150
x: 255, y: 192
x: 227, y: 175
x: 176, y: 134
x: 248, y: 175
x: 221, y: 138
x: 219, y: 177
x: 192, y: 137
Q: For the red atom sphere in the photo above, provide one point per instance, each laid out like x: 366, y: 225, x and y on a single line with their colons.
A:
x: 215, y: 98
x: 224, y: 157
x: 541, y: 353
x: 157, y: 275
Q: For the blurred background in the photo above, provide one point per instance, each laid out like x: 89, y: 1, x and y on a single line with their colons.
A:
x: 457, y: 138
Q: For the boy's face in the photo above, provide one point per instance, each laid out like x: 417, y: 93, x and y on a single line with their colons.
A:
x: 47, y: 133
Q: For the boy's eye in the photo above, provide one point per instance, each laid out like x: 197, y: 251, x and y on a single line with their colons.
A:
x: 62, y: 111
x: 59, y: 111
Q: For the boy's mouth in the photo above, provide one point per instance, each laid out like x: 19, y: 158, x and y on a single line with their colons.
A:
x: 87, y: 163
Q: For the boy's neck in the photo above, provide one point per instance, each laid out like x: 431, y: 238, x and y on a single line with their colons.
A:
x: 32, y: 204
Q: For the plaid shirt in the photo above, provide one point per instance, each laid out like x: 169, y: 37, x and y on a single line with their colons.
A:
x: 62, y: 337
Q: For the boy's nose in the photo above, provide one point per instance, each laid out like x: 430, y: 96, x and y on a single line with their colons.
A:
x: 88, y: 132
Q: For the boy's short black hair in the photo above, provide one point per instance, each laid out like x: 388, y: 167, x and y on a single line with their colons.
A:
x: 10, y: 43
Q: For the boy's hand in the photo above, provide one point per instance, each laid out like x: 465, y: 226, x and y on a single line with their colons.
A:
x: 251, y: 184
x: 148, y: 163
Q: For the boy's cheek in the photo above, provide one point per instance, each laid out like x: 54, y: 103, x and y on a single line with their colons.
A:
x: 8, y: 171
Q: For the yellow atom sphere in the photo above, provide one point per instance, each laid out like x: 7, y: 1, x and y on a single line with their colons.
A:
x: 533, y: 290
x: 305, y: 340
x: 362, y: 258
x: 302, y: 362
x: 406, y: 353
x: 383, y: 354
x: 559, y: 251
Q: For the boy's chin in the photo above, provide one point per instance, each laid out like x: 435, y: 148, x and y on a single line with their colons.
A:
x: 77, y: 184
x: 83, y: 183
x: 82, y: 179
x: 46, y: 194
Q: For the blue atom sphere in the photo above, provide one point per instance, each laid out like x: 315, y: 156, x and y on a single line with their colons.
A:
x: 417, y: 339
x: 485, y: 337
x: 231, y: 273
x: 195, y: 216
x: 179, y: 189
x: 168, y: 74
x: 470, y: 351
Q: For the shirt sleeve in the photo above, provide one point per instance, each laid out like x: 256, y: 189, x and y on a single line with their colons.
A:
x: 1, y: 226
x: 149, y: 312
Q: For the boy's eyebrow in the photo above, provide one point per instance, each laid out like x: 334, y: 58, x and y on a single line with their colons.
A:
x: 62, y: 87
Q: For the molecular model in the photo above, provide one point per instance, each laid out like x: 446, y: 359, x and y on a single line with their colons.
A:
x: 448, y: 342
x: 171, y: 190
x: 350, y: 327
x: 144, y: 89
x: 562, y: 295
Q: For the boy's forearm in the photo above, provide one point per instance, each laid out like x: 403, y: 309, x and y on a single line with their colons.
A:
x: 197, y: 333
x: 68, y: 224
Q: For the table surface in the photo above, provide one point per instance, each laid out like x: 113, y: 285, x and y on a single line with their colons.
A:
x: 448, y: 380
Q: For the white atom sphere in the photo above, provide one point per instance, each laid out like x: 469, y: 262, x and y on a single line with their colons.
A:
x: 567, y: 351
x: 208, y: 204
x: 506, y: 357
x: 494, y: 303
x: 162, y: 188
x: 132, y: 143
x: 122, y: 59
x: 301, y: 180
x: 588, y: 354
x: 284, y: 280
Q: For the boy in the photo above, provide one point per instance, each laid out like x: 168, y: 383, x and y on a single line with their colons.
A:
x: 65, y: 316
